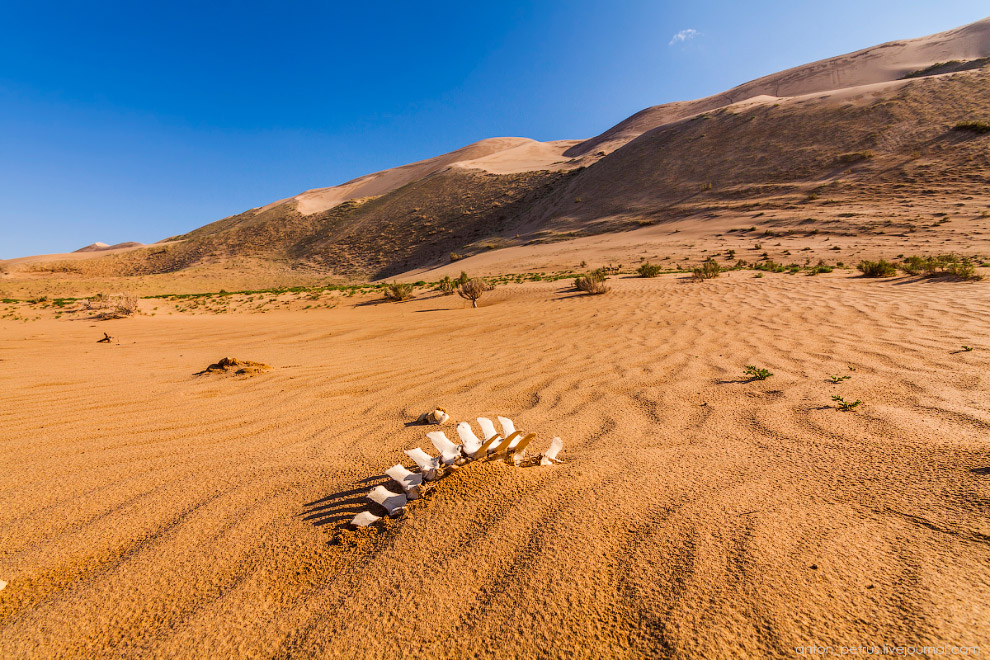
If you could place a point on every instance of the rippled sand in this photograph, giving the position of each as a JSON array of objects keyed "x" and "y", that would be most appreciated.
[{"x": 148, "y": 512}]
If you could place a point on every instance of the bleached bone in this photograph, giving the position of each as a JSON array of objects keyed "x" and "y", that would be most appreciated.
[
  {"x": 364, "y": 519},
  {"x": 393, "y": 502},
  {"x": 550, "y": 457},
  {"x": 470, "y": 441},
  {"x": 487, "y": 446},
  {"x": 449, "y": 452},
  {"x": 487, "y": 428},
  {"x": 427, "y": 464},
  {"x": 508, "y": 428},
  {"x": 519, "y": 438},
  {"x": 502, "y": 445},
  {"x": 2, "y": 585},
  {"x": 443, "y": 417},
  {"x": 519, "y": 449},
  {"x": 410, "y": 481}
]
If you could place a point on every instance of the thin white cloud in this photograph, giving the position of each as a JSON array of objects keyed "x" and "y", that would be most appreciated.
[{"x": 683, "y": 35}]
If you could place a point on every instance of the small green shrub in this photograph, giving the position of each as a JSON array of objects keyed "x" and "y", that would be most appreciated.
[
  {"x": 756, "y": 373},
  {"x": 769, "y": 266},
  {"x": 706, "y": 271},
  {"x": 963, "y": 270},
  {"x": 821, "y": 267},
  {"x": 844, "y": 405},
  {"x": 649, "y": 270},
  {"x": 446, "y": 286},
  {"x": 839, "y": 379},
  {"x": 397, "y": 291},
  {"x": 943, "y": 264},
  {"x": 881, "y": 268}
]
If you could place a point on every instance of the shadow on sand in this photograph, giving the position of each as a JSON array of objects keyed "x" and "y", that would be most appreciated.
[{"x": 338, "y": 509}]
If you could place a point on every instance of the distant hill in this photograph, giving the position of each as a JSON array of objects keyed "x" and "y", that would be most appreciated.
[
  {"x": 102, "y": 247},
  {"x": 877, "y": 122}
]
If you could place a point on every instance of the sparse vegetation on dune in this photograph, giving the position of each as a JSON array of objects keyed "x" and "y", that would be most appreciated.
[
  {"x": 649, "y": 270},
  {"x": 446, "y": 286},
  {"x": 706, "y": 271},
  {"x": 879, "y": 268},
  {"x": 948, "y": 265},
  {"x": 593, "y": 283},
  {"x": 843, "y": 405},
  {"x": 757, "y": 373},
  {"x": 113, "y": 306},
  {"x": 397, "y": 291}
]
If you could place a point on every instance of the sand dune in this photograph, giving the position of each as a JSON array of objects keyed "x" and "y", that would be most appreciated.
[
  {"x": 883, "y": 63},
  {"x": 499, "y": 155},
  {"x": 154, "y": 513}
]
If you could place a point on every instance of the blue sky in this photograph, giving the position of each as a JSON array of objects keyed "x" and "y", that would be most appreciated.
[{"x": 136, "y": 121}]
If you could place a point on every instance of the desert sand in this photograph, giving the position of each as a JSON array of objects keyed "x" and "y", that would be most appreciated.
[
  {"x": 149, "y": 512},
  {"x": 153, "y": 507}
]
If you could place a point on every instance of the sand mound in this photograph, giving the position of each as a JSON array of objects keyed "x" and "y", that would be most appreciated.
[{"x": 239, "y": 367}]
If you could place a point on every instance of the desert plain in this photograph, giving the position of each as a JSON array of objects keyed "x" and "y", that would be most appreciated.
[{"x": 151, "y": 512}]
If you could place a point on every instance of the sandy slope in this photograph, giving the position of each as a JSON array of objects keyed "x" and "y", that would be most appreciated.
[
  {"x": 499, "y": 155},
  {"x": 146, "y": 512},
  {"x": 877, "y": 64}
]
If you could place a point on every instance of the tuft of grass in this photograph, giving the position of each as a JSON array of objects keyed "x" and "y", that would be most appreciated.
[
  {"x": 881, "y": 268},
  {"x": 397, "y": 291},
  {"x": 856, "y": 157},
  {"x": 649, "y": 270},
  {"x": 949, "y": 265},
  {"x": 839, "y": 379},
  {"x": 843, "y": 405},
  {"x": 113, "y": 306},
  {"x": 706, "y": 271},
  {"x": 593, "y": 283},
  {"x": 973, "y": 127},
  {"x": 967, "y": 348},
  {"x": 821, "y": 267},
  {"x": 446, "y": 286},
  {"x": 755, "y": 373}
]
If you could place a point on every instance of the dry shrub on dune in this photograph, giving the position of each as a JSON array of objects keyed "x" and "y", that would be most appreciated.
[
  {"x": 941, "y": 265},
  {"x": 706, "y": 271},
  {"x": 113, "y": 306},
  {"x": 397, "y": 291},
  {"x": 879, "y": 268},
  {"x": 473, "y": 289},
  {"x": 593, "y": 283},
  {"x": 649, "y": 270}
]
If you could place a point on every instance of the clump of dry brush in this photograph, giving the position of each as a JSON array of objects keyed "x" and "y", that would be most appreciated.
[
  {"x": 708, "y": 270},
  {"x": 397, "y": 291},
  {"x": 593, "y": 283},
  {"x": 473, "y": 289},
  {"x": 113, "y": 306}
]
